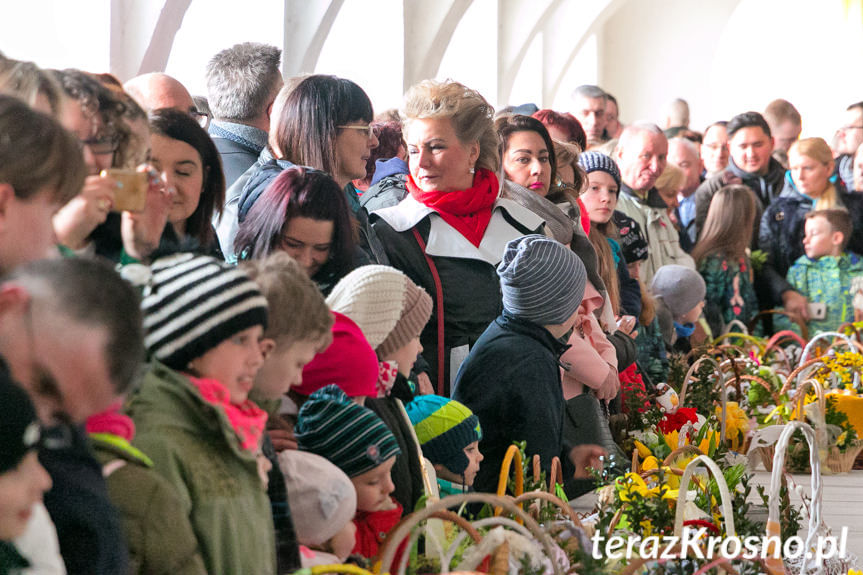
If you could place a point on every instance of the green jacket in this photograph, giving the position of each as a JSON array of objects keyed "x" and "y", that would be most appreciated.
[
  {"x": 158, "y": 533},
  {"x": 827, "y": 280},
  {"x": 194, "y": 447}
]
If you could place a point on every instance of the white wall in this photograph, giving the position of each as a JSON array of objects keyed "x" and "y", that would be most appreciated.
[
  {"x": 730, "y": 56},
  {"x": 723, "y": 56}
]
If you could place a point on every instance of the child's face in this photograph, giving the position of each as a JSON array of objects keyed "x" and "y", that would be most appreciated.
[
  {"x": 234, "y": 363},
  {"x": 283, "y": 368},
  {"x": 374, "y": 487},
  {"x": 474, "y": 458},
  {"x": 820, "y": 240},
  {"x": 406, "y": 356},
  {"x": 693, "y": 314},
  {"x": 20, "y": 489},
  {"x": 344, "y": 541}
]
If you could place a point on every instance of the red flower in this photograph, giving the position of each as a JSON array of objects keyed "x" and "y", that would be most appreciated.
[{"x": 674, "y": 421}]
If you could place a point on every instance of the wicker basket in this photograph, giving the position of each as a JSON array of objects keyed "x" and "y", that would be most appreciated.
[{"x": 839, "y": 462}]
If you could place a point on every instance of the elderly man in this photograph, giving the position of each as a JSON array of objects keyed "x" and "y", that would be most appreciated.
[
  {"x": 589, "y": 108},
  {"x": 242, "y": 83},
  {"x": 684, "y": 154},
  {"x": 751, "y": 164},
  {"x": 157, "y": 90},
  {"x": 642, "y": 155}
]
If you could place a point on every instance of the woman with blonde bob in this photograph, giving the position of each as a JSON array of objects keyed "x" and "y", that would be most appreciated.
[
  {"x": 450, "y": 230},
  {"x": 722, "y": 258},
  {"x": 808, "y": 186}
]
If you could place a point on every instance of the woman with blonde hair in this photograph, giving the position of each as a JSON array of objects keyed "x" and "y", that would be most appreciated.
[
  {"x": 448, "y": 234},
  {"x": 722, "y": 258},
  {"x": 809, "y": 185}
]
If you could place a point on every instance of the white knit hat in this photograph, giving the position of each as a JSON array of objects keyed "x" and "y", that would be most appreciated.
[
  {"x": 321, "y": 497},
  {"x": 388, "y": 307}
]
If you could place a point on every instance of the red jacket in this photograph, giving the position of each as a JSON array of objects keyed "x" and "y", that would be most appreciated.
[{"x": 373, "y": 527}]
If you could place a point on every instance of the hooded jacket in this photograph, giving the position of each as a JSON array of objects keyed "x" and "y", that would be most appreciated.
[{"x": 193, "y": 445}]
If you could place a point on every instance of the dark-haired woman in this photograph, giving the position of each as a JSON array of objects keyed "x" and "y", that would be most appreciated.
[
  {"x": 319, "y": 121},
  {"x": 189, "y": 165},
  {"x": 303, "y": 212}
]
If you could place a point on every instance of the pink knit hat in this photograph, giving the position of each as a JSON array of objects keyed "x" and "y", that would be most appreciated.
[{"x": 349, "y": 362}]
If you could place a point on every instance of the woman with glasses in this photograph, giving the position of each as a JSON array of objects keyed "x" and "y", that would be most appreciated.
[
  {"x": 93, "y": 114},
  {"x": 448, "y": 234},
  {"x": 319, "y": 121}
]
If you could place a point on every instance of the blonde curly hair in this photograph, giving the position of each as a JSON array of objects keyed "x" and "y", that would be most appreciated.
[{"x": 471, "y": 115}]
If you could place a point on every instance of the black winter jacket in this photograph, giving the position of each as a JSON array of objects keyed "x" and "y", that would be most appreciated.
[{"x": 511, "y": 381}]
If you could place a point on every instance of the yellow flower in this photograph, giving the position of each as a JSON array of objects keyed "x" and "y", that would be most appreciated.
[
  {"x": 634, "y": 483},
  {"x": 643, "y": 451},
  {"x": 736, "y": 424},
  {"x": 672, "y": 438},
  {"x": 709, "y": 443},
  {"x": 650, "y": 463}
]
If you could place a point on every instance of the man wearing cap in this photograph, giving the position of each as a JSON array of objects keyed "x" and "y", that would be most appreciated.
[{"x": 511, "y": 378}]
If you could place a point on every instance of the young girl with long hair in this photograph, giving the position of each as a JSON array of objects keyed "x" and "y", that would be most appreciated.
[{"x": 722, "y": 258}]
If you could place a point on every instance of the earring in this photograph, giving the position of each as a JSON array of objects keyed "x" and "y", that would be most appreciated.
[{"x": 472, "y": 170}]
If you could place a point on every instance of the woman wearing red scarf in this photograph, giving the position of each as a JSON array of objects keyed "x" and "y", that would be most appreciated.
[{"x": 449, "y": 232}]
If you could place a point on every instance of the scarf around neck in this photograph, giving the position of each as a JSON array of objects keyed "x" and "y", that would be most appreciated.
[
  {"x": 247, "y": 419},
  {"x": 468, "y": 211}
]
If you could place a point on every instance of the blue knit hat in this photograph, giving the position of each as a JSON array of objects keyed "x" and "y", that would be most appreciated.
[
  {"x": 542, "y": 280},
  {"x": 351, "y": 436},
  {"x": 444, "y": 427},
  {"x": 599, "y": 162}
]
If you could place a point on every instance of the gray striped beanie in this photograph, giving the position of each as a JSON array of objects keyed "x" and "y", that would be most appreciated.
[
  {"x": 592, "y": 161},
  {"x": 193, "y": 303},
  {"x": 351, "y": 436},
  {"x": 541, "y": 279}
]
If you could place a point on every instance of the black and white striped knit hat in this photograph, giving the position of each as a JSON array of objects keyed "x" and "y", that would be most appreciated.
[{"x": 193, "y": 303}]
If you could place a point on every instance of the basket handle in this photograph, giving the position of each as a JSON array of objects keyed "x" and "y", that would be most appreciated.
[
  {"x": 824, "y": 335},
  {"x": 725, "y": 496},
  {"x": 798, "y": 371},
  {"x": 815, "y": 520},
  {"x": 554, "y": 499},
  {"x": 691, "y": 374},
  {"x": 736, "y": 323},
  {"x": 404, "y": 528},
  {"x": 804, "y": 329}
]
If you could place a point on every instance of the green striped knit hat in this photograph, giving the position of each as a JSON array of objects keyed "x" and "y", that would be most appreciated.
[
  {"x": 351, "y": 436},
  {"x": 444, "y": 428}
]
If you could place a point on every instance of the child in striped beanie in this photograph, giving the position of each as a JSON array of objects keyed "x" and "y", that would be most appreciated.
[
  {"x": 449, "y": 435},
  {"x": 358, "y": 442},
  {"x": 204, "y": 323}
]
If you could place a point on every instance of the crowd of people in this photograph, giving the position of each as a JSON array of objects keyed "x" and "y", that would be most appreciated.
[{"x": 247, "y": 332}]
